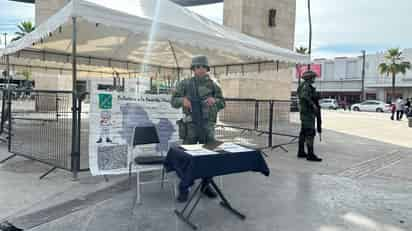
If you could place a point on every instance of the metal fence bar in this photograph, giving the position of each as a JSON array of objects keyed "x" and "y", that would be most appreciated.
[
  {"x": 40, "y": 127},
  {"x": 256, "y": 115},
  {"x": 8, "y": 113},
  {"x": 270, "y": 123},
  {"x": 3, "y": 114}
]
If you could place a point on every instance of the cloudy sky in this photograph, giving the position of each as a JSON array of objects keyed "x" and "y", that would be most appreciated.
[
  {"x": 340, "y": 27},
  {"x": 11, "y": 14}
]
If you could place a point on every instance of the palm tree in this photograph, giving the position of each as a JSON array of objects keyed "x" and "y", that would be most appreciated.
[
  {"x": 394, "y": 66},
  {"x": 25, "y": 27},
  {"x": 302, "y": 50}
]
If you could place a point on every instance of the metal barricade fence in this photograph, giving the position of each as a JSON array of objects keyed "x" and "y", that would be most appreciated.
[
  {"x": 263, "y": 123},
  {"x": 39, "y": 125}
]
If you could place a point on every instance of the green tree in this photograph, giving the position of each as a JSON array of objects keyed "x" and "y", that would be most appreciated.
[
  {"x": 394, "y": 65},
  {"x": 24, "y": 28},
  {"x": 302, "y": 50}
]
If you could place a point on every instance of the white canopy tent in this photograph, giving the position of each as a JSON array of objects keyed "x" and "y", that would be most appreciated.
[
  {"x": 154, "y": 32},
  {"x": 117, "y": 33}
]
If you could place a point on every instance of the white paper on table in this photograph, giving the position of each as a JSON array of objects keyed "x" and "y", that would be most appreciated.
[
  {"x": 201, "y": 152},
  {"x": 231, "y": 147},
  {"x": 189, "y": 147}
]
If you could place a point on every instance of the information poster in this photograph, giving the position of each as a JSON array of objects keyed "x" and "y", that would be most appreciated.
[{"x": 113, "y": 116}]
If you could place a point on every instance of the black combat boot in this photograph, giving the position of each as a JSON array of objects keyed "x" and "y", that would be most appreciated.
[
  {"x": 311, "y": 155},
  {"x": 182, "y": 197},
  {"x": 301, "y": 149}
]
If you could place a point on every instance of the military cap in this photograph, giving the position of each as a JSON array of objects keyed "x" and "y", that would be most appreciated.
[
  {"x": 309, "y": 75},
  {"x": 200, "y": 60}
]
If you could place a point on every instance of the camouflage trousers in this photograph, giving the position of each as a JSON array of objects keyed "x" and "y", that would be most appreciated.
[
  {"x": 203, "y": 135},
  {"x": 306, "y": 135}
]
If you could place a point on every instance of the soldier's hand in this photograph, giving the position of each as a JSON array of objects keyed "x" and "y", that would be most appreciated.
[
  {"x": 210, "y": 101},
  {"x": 186, "y": 103}
]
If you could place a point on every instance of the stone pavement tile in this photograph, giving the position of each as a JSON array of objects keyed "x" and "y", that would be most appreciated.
[
  {"x": 341, "y": 152},
  {"x": 21, "y": 188},
  {"x": 370, "y": 125},
  {"x": 400, "y": 170},
  {"x": 23, "y": 193},
  {"x": 283, "y": 201},
  {"x": 363, "y": 184}
]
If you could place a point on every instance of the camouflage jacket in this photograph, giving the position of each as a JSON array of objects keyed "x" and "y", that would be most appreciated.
[
  {"x": 306, "y": 94},
  {"x": 205, "y": 87}
]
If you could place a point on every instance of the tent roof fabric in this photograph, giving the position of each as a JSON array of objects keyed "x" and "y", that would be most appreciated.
[{"x": 157, "y": 32}]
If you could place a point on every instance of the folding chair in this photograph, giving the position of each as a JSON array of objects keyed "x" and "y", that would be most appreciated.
[{"x": 145, "y": 163}]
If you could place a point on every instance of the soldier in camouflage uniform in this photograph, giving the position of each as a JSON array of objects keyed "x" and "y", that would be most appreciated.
[
  {"x": 201, "y": 98},
  {"x": 309, "y": 111}
]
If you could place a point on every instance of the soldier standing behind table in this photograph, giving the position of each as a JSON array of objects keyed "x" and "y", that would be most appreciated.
[
  {"x": 201, "y": 98},
  {"x": 309, "y": 111}
]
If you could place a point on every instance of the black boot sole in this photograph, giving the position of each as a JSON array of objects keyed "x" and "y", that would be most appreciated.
[
  {"x": 314, "y": 159},
  {"x": 302, "y": 156},
  {"x": 182, "y": 199}
]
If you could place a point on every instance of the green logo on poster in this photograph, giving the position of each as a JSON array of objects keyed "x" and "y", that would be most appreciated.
[{"x": 105, "y": 101}]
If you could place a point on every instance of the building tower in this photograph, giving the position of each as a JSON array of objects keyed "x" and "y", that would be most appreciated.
[{"x": 269, "y": 20}]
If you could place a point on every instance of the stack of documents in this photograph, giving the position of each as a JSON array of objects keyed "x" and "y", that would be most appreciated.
[
  {"x": 231, "y": 147},
  {"x": 197, "y": 150},
  {"x": 189, "y": 147}
]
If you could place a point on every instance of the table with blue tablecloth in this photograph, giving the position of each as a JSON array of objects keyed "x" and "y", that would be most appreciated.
[{"x": 190, "y": 168}]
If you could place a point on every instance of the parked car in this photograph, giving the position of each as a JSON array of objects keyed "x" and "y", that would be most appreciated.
[
  {"x": 328, "y": 103},
  {"x": 371, "y": 105}
]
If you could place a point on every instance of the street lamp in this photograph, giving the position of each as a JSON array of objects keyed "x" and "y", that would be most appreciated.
[
  {"x": 363, "y": 75},
  {"x": 310, "y": 34}
]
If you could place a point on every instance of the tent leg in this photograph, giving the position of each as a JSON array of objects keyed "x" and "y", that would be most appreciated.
[
  {"x": 75, "y": 160},
  {"x": 176, "y": 61}
]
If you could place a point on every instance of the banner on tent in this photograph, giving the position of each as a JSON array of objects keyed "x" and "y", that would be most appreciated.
[{"x": 113, "y": 116}]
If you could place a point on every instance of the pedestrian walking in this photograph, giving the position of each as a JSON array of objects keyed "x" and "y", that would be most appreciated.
[
  {"x": 400, "y": 107},
  {"x": 393, "y": 110},
  {"x": 408, "y": 106}
]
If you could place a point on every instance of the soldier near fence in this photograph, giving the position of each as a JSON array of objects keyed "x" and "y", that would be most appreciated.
[
  {"x": 201, "y": 99},
  {"x": 309, "y": 112}
]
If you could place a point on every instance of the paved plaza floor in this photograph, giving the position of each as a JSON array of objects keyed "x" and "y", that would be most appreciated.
[{"x": 364, "y": 183}]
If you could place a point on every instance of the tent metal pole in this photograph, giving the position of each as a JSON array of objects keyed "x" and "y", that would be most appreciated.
[
  {"x": 8, "y": 111},
  {"x": 175, "y": 57},
  {"x": 75, "y": 155}
]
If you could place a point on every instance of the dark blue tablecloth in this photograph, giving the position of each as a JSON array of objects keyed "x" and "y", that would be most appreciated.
[{"x": 189, "y": 168}]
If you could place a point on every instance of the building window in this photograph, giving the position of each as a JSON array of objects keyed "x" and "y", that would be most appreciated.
[{"x": 272, "y": 18}]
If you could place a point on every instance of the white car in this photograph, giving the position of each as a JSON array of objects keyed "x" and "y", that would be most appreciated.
[
  {"x": 371, "y": 105},
  {"x": 328, "y": 103}
]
